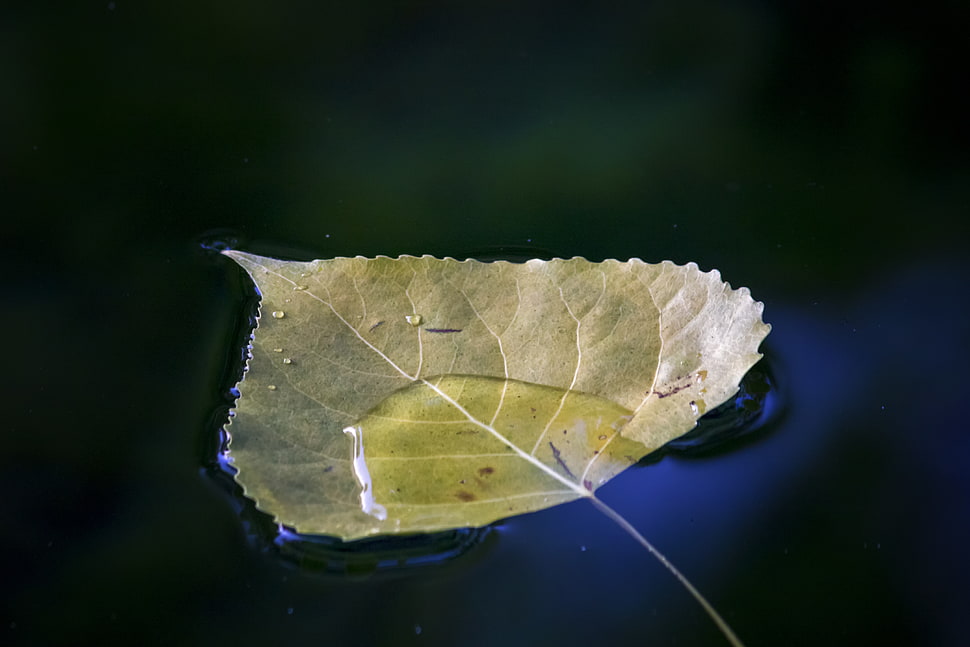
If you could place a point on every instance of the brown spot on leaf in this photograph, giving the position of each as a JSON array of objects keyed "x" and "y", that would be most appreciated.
[
  {"x": 486, "y": 471},
  {"x": 675, "y": 389},
  {"x": 465, "y": 495}
]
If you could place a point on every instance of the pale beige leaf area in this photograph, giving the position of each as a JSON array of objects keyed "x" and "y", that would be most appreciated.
[{"x": 419, "y": 394}]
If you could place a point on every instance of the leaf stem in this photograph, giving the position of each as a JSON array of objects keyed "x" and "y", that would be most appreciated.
[{"x": 633, "y": 532}]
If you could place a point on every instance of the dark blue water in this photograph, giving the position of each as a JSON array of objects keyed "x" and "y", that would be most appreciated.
[{"x": 816, "y": 157}]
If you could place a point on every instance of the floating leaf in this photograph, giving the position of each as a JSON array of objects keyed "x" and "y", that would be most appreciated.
[{"x": 418, "y": 394}]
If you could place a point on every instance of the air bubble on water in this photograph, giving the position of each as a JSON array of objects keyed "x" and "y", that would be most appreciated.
[
  {"x": 278, "y": 314},
  {"x": 414, "y": 320}
]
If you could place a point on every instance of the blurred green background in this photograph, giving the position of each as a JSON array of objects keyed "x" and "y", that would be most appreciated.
[{"x": 816, "y": 153}]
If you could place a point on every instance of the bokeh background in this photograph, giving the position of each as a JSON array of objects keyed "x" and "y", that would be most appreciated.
[{"x": 814, "y": 152}]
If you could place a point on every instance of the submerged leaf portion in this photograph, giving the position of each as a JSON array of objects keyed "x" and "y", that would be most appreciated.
[{"x": 417, "y": 394}]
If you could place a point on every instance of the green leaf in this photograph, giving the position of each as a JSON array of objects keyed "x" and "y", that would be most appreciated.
[{"x": 419, "y": 394}]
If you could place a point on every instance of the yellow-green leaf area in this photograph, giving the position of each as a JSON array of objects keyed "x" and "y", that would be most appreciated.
[
  {"x": 472, "y": 465},
  {"x": 417, "y": 394}
]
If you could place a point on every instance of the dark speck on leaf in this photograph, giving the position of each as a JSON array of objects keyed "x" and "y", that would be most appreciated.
[
  {"x": 485, "y": 471},
  {"x": 672, "y": 391},
  {"x": 464, "y": 495},
  {"x": 328, "y": 468},
  {"x": 558, "y": 456},
  {"x": 443, "y": 330}
]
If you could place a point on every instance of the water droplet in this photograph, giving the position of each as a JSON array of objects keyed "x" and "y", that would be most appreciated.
[
  {"x": 582, "y": 548},
  {"x": 367, "y": 502},
  {"x": 271, "y": 387},
  {"x": 287, "y": 360},
  {"x": 277, "y": 350},
  {"x": 414, "y": 320},
  {"x": 299, "y": 287},
  {"x": 278, "y": 314},
  {"x": 694, "y": 408}
]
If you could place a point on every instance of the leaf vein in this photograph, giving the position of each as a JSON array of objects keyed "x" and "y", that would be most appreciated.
[{"x": 343, "y": 321}]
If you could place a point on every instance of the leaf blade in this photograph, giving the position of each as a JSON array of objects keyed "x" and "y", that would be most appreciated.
[{"x": 635, "y": 345}]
